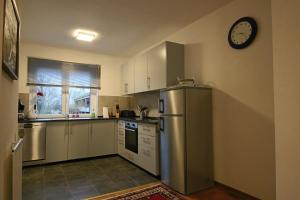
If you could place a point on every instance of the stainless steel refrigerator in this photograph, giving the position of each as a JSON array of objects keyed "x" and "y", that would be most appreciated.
[{"x": 186, "y": 138}]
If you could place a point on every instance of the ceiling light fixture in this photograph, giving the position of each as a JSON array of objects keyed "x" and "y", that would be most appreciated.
[{"x": 84, "y": 35}]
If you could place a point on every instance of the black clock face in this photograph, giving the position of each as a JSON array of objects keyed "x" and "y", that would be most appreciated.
[{"x": 242, "y": 33}]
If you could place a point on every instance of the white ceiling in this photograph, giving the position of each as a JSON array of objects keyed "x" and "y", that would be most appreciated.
[{"x": 126, "y": 26}]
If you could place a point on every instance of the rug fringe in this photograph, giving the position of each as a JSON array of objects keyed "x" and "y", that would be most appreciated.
[{"x": 121, "y": 192}]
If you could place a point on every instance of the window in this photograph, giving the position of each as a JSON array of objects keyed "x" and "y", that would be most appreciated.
[
  {"x": 59, "y": 88},
  {"x": 49, "y": 100},
  {"x": 79, "y": 100}
]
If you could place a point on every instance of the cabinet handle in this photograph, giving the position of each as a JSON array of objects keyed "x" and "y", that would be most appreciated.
[
  {"x": 146, "y": 129},
  {"x": 148, "y": 82},
  {"x": 146, "y": 140},
  {"x": 161, "y": 106},
  {"x": 66, "y": 132},
  {"x": 162, "y": 124}
]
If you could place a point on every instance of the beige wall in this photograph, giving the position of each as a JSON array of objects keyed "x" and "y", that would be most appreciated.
[
  {"x": 286, "y": 48},
  {"x": 244, "y": 156},
  {"x": 110, "y": 65},
  {"x": 8, "y": 123}
]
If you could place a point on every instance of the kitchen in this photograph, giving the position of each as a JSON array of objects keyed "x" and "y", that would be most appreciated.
[
  {"x": 123, "y": 128},
  {"x": 67, "y": 124},
  {"x": 121, "y": 99}
]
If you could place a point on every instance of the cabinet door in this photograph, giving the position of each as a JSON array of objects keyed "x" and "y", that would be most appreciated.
[
  {"x": 157, "y": 67},
  {"x": 57, "y": 136},
  {"x": 121, "y": 124},
  {"x": 148, "y": 148},
  {"x": 148, "y": 160},
  {"x": 102, "y": 140},
  {"x": 124, "y": 79},
  {"x": 116, "y": 136},
  {"x": 121, "y": 139},
  {"x": 141, "y": 81},
  {"x": 147, "y": 129},
  {"x": 128, "y": 78},
  {"x": 79, "y": 139}
]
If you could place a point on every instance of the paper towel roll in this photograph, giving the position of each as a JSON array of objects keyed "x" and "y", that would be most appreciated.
[{"x": 105, "y": 112}]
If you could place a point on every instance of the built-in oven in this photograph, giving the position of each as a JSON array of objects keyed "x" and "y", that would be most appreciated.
[{"x": 131, "y": 136}]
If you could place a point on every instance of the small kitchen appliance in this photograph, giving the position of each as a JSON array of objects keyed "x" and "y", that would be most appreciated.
[{"x": 127, "y": 114}]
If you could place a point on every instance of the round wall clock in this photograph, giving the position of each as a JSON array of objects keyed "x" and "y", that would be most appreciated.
[{"x": 242, "y": 33}]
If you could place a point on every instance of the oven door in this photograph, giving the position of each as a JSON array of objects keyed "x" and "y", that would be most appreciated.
[{"x": 131, "y": 140}]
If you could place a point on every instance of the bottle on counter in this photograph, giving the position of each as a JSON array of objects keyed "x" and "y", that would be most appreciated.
[
  {"x": 93, "y": 115},
  {"x": 117, "y": 111}
]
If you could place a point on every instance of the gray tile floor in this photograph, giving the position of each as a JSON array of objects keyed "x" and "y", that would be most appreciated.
[{"x": 81, "y": 179}]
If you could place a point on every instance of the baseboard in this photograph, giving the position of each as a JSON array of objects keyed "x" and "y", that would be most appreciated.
[
  {"x": 43, "y": 162},
  {"x": 234, "y": 192}
]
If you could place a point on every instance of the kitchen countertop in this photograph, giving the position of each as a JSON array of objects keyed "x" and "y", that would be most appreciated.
[{"x": 146, "y": 120}]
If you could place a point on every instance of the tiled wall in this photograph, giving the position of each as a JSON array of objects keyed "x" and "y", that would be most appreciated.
[
  {"x": 111, "y": 102},
  {"x": 149, "y": 100}
]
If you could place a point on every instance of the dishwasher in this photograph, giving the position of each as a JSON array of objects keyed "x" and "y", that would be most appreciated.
[{"x": 34, "y": 141}]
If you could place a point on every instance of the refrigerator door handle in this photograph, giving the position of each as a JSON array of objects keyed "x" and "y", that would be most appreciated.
[
  {"x": 161, "y": 124},
  {"x": 161, "y": 106}
]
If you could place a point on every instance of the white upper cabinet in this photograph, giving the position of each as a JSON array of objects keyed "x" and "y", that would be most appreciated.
[
  {"x": 141, "y": 74},
  {"x": 156, "y": 69},
  {"x": 127, "y": 74}
]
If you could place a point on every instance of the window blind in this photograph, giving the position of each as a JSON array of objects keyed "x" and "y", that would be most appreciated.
[{"x": 44, "y": 72}]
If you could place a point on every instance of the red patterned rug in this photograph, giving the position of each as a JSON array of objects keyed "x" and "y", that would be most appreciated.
[{"x": 156, "y": 192}]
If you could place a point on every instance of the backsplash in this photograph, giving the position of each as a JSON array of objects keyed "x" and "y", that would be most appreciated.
[
  {"x": 111, "y": 102},
  {"x": 149, "y": 100}
]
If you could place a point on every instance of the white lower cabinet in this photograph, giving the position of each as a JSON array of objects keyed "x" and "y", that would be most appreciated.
[
  {"x": 148, "y": 147},
  {"x": 121, "y": 138},
  {"x": 148, "y": 157},
  {"x": 57, "y": 139},
  {"x": 82, "y": 139},
  {"x": 131, "y": 156},
  {"x": 102, "y": 138},
  {"x": 116, "y": 136},
  {"x": 79, "y": 140}
]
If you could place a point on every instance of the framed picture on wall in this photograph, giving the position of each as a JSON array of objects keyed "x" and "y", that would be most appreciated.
[{"x": 11, "y": 39}]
